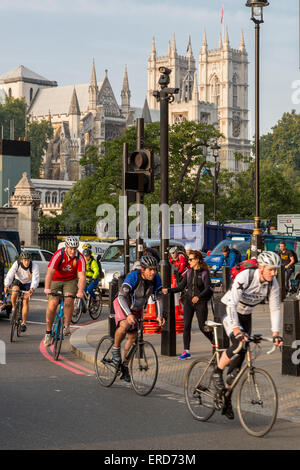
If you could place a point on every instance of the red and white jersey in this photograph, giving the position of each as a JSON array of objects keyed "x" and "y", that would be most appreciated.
[{"x": 68, "y": 268}]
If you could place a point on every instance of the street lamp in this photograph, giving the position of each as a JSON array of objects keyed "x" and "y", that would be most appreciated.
[
  {"x": 257, "y": 241},
  {"x": 215, "y": 148}
]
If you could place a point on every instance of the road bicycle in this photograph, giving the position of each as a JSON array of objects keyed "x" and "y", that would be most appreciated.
[
  {"x": 257, "y": 399},
  {"x": 142, "y": 360},
  {"x": 16, "y": 316},
  {"x": 57, "y": 333},
  {"x": 87, "y": 304}
]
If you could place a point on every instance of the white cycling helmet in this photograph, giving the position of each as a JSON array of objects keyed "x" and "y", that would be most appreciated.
[
  {"x": 72, "y": 242},
  {"x": 269, "y": 259}
]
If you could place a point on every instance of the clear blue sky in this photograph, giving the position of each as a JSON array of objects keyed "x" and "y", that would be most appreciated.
[{"x": 59, "y": 38}]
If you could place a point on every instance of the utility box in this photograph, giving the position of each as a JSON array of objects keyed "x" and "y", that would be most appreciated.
[{"x": 291, "y": 334}]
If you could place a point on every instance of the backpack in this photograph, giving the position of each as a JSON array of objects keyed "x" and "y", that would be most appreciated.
[
  {"x": 238, "y": 253},
  {"x": 246, "y": 264},
  {"x": 101, "y": 273}
]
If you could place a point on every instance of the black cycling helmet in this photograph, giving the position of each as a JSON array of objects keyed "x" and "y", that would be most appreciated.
[
  {"x": 87, "y": 252},
  {"x": 148, "y": 261},
  {"x": 24, "y": 255}
]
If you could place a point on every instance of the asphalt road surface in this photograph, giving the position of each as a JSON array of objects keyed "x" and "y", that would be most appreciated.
[{"x": 48, "y": 405}]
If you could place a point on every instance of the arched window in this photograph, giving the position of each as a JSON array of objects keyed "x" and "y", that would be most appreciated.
[
  {"x": 54, "y": 198},
  {"x": 62, "y": 197},
  {"x": 31, "y": 94},
  {"x": 215, "y": 91},
  {"x": 9, "y": 92},
  {"x": 48, "y": 197},
  {"x": 234, "y": 91}
]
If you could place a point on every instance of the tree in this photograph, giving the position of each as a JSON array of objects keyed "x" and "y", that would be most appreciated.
[
  {"x": 38, "y": 133},
  {"x": 13, "y": 109}
]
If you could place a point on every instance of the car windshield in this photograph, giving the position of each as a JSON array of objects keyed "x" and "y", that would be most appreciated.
[
  {"x": 241, "y": 246},
  {"x": 115, "y": 254}
]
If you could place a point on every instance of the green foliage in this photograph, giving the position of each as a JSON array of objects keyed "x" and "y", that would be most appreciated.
[
  {"x": 15, "y": 109},
  {"x": 38, "y": 133}
]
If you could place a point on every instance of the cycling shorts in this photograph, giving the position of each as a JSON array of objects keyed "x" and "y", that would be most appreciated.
[{"x": 120, "y": 315}]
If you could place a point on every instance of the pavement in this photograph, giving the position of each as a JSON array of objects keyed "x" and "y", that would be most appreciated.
[{"x": 172, "y": 371}]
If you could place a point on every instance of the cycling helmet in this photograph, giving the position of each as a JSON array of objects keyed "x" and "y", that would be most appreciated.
[
  {"x": 24, "y": 255},
  {"x": 148, "y": 262},
  {"x": 72, "y": 242},
  {"x": 173, "y": 250},
  {"x": 270, "y": 259},
  {"x": 87, "y": 252},
  {"x": 87, "y": 246}
]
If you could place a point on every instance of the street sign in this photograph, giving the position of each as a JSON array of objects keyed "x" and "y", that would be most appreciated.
[{"x": 288, "y": 224}]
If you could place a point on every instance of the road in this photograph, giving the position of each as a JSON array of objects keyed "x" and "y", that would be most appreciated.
[{"x": 47, "y": 405}]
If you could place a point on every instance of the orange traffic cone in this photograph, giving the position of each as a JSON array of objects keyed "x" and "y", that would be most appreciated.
[{"x": 151, "y": 325}]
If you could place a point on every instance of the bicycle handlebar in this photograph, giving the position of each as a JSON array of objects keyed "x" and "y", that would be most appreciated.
[{"x": 256, "y": 339}]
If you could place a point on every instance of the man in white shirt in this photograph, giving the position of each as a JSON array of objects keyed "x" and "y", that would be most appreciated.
[
  {"x": 23, "y": 275},
  {"x": 250, "y": 288}
]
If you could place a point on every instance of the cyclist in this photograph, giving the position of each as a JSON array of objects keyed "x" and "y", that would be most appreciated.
[
  {"x": 23, "y": 275},
  {"x": 228, "y": 258},
  {"x": 92, "y": 272},
  {"x": 133, "y": 296},
  {"x": 249, "y": 288},
  {"x": 179, "y": 261},
  {"x": 65, "y": 266},
  {"x": 288, "y": 260}
]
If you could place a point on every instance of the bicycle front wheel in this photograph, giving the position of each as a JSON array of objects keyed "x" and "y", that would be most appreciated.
[
  {"x": 106, "y": 370},
  {"x": 257, "y": 402},
  {"x": 57, "y": 338},
  {"x": 199, "y": 391},
  {"x": 77, "y": 312},
  {"x": 96, "y": 306},
  {"x": 13, "y": 322},
  {"x": 143, "y": 368}
]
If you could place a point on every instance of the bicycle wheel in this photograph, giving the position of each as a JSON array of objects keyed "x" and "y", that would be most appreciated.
[
  {"x": 199, "y": 391},
  {"x": 257, "y": 402},
  {"x": 96, "y": 306},
  {"x": 143, "y": 368},
  {"x": 57, "y": 337},
  {"x": 105, "y": 368},
  {"x": 77, "y": 312}
]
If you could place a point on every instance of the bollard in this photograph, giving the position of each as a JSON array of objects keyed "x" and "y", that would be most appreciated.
[
  {"x": 168, "y": 333},
  {"x": 219, "y": 312},
  {"x": 291, "y": 333},
  {"x": 281, "y": 282},
  {"x": 226, "y": 279}
]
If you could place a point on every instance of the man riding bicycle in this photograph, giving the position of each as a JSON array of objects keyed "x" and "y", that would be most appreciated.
[
  {"x": 23, "y": 275},
  {"x": 92, "y": 272},
  {"x": 66, "y": 274},
  {"x": 249, "y": 288},
  {"x": 133, "y": 296}
]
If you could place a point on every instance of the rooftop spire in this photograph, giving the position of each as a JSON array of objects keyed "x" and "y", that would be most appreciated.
[
  {"x": 153, "y": 50},
  {"x": 74, "y": 105},
  {"x": 226, "y": 39},
  {"x": 242, "y": 43},
  {"x": 189, "y": 47},
  {"x": 204, "y": 41},
  {"x": 93, "y": 75}
]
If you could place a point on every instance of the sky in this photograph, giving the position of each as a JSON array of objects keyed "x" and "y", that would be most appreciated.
[{"x": 58, "y": 39}]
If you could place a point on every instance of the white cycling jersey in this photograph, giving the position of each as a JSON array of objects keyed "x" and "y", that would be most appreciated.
[
  {"x": 23, "y": 275},
  {"x": 243, "y": 297}
]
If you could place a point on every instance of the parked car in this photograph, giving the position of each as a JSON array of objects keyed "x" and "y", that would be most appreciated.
[
  {"x": 112, "y": 261},
  {"x": 42, "y": 258}
]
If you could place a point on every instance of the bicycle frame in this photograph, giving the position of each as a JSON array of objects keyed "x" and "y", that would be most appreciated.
[{"x": 59, "y": 316}]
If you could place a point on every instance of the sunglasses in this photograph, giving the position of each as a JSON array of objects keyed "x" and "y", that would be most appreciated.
[{"x": 192, "y": 259}]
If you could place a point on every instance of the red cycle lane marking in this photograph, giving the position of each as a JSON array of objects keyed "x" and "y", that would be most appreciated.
[{"x": 45, "y": 353}]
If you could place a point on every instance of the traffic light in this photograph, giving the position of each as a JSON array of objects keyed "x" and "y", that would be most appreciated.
[{"x": 140, "y": 176}]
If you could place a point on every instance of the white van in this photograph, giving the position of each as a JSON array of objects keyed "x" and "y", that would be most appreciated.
[{"x": 98, "y": 248}]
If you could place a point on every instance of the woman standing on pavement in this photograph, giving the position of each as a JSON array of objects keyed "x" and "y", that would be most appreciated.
[{"x": 198, "y": 292}]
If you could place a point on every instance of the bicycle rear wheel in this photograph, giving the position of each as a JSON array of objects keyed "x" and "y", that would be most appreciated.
[
  {"x": 143, "y": 368},
  {"x": 96, "y": 307},
  {"x": 199, "y": 391},
  {"x": 105, "y": 369},
  {"x": 257, "y": 402},
  {"x": 57, "y": 337},
  {"x": 77, "y": 312}
]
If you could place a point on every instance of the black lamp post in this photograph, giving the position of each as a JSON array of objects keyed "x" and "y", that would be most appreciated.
[
  {"x": 215, "y": 148},
  {"x": 257, "y": 241}
]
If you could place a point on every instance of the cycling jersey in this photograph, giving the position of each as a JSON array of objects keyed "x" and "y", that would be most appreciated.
[
  {"x": 24, "y": 276},
  {"x": 244, "y": 296},
  {"x": 135, "y": 292},
  {"x": 67, "y": 268}
]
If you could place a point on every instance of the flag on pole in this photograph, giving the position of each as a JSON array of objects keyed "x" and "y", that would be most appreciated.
[{"x": 222, "y": 17}]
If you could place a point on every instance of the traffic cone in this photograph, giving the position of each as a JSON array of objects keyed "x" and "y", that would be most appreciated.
[
  {"x": 150, "y": 327},
  {"x": 179, "y": 322}
]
